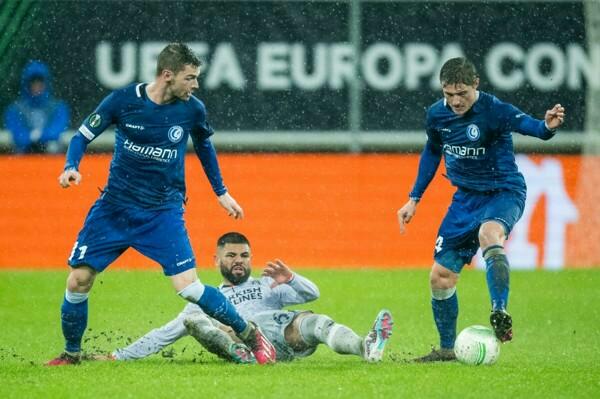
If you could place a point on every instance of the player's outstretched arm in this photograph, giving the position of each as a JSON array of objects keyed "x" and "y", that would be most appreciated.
[
  {"x": 231, "y": 206},
  {"x": 69, "y": 176},
  {"x": 555, "y": 117},
  {"x": 406, "y": 213}
]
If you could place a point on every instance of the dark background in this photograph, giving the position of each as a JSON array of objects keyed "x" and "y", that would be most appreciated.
[{"x": 65, "y": 35}]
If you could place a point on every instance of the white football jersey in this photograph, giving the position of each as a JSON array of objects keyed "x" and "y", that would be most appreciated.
[{"x": 256, "y": 295}]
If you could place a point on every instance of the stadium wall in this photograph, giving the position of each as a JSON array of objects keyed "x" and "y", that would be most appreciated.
[{"x": 312, "y": 210}]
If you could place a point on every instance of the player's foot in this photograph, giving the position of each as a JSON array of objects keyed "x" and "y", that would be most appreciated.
[
  {"x": 375, "y": 341},
  {"x": 240, "y": 354},
  {"x": 502, "y": 324},
  {"x": 65, "y": 359},
  {"x": 261, "y": 347},
  {"x": 437, "y": 355}
]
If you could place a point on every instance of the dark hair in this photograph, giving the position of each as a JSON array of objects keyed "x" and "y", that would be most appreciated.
[
  {"x": 458, "y": 70},
  {"x": 175, "y": 57},
  {"x": 232, "y": 237}
]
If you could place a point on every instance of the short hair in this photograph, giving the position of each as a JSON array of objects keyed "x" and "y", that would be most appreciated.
[
  {"x": 458, "y": 70},
  {"x": 232, "y": 237},
  {"x": 175, "y": 57}
]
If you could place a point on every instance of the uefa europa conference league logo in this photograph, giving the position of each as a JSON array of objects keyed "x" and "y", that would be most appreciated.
[{"x": 95, "y": 120}]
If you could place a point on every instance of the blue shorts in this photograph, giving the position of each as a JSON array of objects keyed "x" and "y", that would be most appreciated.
[
  {"x": 110, "y": 229},
  {"x": 458, "y": 236}
]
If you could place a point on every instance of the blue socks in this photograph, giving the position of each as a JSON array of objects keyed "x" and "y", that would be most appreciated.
[
  {"x": 497, "y": 275},
  {"x": 73, "y": 318},
  {"x": 214, "y": 303},
  {"x": 445, "y": 313}
]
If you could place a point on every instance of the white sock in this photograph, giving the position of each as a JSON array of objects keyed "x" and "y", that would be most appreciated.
[
  {"x": 342, "y": 339},
  {"x": 322, "y": 329}
]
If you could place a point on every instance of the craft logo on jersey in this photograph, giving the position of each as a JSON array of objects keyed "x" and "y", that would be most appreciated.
[
  {"x": 473, "y": 132},
  {"x": 175, "y": 133},
  {"x": 95, "y": 120}
]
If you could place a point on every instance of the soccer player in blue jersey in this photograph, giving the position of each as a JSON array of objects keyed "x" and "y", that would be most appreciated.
[
  {"x": 142, "y": 204},
  {"x": 473, "y": 131}
]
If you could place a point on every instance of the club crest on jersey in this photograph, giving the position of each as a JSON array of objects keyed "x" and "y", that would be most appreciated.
[
  {"x": 175, "y": 133},
  {"x": 95, "y": 120},
  {"x": 473, "y": 132}
]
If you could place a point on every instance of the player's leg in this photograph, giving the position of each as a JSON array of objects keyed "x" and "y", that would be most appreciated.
[
  {"x": 74, "y": 314},
  {"x": 503, "y": 210},
  {"x": 154, "y": 341},
  {"x": 218, "y": 339},
  {"x": 98, "y": 244},
  {"x": 309, "y": 329},
  {"x": 454, "y": 247},
  {"x": 444, "y": 305},
  {"x": 491, "y": 239}
]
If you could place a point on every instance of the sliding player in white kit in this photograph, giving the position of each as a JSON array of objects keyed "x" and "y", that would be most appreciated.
[{"x": 293, "y": 333}]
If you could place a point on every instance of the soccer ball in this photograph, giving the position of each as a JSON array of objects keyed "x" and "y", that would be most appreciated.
[{"x": 477, "y": 345}]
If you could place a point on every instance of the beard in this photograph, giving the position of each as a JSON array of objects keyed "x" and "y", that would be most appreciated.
[{"x": 235, "y": 279}]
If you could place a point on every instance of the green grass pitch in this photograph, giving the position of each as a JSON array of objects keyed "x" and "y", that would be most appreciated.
[{"x": 555, "y": 352}]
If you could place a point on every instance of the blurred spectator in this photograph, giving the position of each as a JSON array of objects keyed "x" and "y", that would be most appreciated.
[{"x": 36, "y": 119}]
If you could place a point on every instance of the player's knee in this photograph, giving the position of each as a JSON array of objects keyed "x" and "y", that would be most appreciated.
[
  {"x": 81, "y": 279},
  {"x": 193, "y": 292},
  {"x": 441, "y": 278},
  {"x": 491, "y": 233}
]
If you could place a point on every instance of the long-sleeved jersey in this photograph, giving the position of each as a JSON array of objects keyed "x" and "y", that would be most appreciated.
[
  {"x": 477, "y": 146},
  {"x": 256, "y": 295},
  {"x": 147, "y": 168}
]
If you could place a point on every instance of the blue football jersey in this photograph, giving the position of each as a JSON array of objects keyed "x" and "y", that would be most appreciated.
[
  {"x": 478, "y": 146},
  {"x": 147, "y": 168}
]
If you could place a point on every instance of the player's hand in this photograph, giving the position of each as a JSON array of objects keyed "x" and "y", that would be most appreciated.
[
  {"x": 231, "y": 206},
  {"x": 555, "y": 117},
  {"x": 69, "y": 176},
  {"x": 279, "y": 272},
  {"x": 406, "y": 213}
]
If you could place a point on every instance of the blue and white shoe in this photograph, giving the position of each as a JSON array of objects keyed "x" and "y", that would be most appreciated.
[{"x": 374, "y": 342}]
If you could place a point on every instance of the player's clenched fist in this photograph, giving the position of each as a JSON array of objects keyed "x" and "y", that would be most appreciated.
[{"x": 69, "y": 176}]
